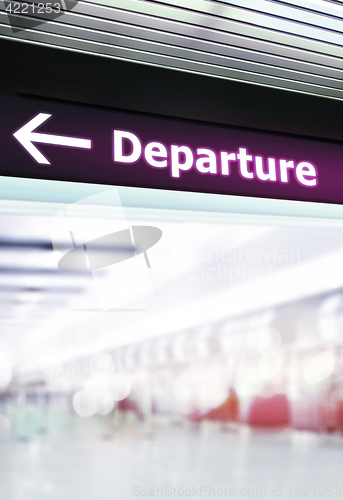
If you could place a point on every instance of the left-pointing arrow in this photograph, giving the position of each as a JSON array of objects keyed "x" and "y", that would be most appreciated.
[{"x": 26, "y": 135}]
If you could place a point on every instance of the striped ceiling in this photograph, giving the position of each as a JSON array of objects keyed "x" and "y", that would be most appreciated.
[{"x": 290, "y": 44}]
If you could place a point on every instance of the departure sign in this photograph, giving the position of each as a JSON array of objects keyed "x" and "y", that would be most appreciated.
[
  {"x": 57, "y": 140},
  {"x": 27, "y": 137},
  {"x": 206, "y": 161}
]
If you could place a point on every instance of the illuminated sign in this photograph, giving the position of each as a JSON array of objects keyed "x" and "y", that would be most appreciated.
[
  {"x": 50, "y": 139},
  {"x": 27, "y": 137},
  {"x": 206, "y": 161}
]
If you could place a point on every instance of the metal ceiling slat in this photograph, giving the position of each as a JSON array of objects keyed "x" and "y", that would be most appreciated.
[
  {"x": 166, "y": 25},
  {"x": 329, "y": 18},
  {"x": 167, "y": 37},
  {"x": 321, "y": 6},
  {"x": 280, "y": 25},
  {"x": 254, "y": 45},
  {"x": 219, "y": 50},
  {"x": 308, "y": 21},
  {"x": 250, "y": 43},
  {"x": 200, "y": 56},
  {"x": 174, "y": 63},
  {"x": 104, "y": 24},
  {"x": 266, "y": 8},
  {"x": 231, "y": 53},
  {"x": 198, "y": 21},
  {"x": 246, "y": 40}
]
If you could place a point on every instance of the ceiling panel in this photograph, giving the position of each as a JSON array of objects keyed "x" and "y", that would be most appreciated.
[{"x": 282, "y": 44}]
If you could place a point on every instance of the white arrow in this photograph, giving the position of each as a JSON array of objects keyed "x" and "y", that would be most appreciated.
[{"x": 26, "y": 136}]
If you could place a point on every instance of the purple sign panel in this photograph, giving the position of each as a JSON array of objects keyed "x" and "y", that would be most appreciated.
[{"x": 49, "y": 139}]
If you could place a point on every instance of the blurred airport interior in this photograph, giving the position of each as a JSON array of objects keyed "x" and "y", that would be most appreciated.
[
  {"x": 168, "y": 343},
  {"x": 242, "y": 340}
]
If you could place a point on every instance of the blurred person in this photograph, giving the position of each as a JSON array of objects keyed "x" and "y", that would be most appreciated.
[
  {"x": 273, "y": 411},
  {"x": 128, "y": 405},
  {"x": 228, "y": 411}
]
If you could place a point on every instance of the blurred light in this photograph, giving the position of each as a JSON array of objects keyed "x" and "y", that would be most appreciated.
[
  {"x": 101, "y": 363},
  {"x": 268, "y": 338},
  {"x": 270, "y": 365},
  {"x": 83, "y": 405},
  {"x": 328, "y": 321},
  {"x": 329, "y": 328},
  {"x": 184, "y": 387},
  {"x": 248, "y": 383},
  {"x": 98, "y": 390},
  {"x": 212, "y": 391},
  {"x": 106, "y": 408},
  {"x": 122, "y": 386},
  {"x": 319, "y": 367},
  {"x": 5, "y": 371},
  {"x": 102, "y": 390}
]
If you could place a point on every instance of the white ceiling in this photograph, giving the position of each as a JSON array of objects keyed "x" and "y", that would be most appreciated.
[
  {"x": 48, "y": 318},
  {"x": 290, "y": 44}
]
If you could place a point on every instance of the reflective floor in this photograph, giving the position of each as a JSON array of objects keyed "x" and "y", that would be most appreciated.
[{"x": 147, "y": 459}]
